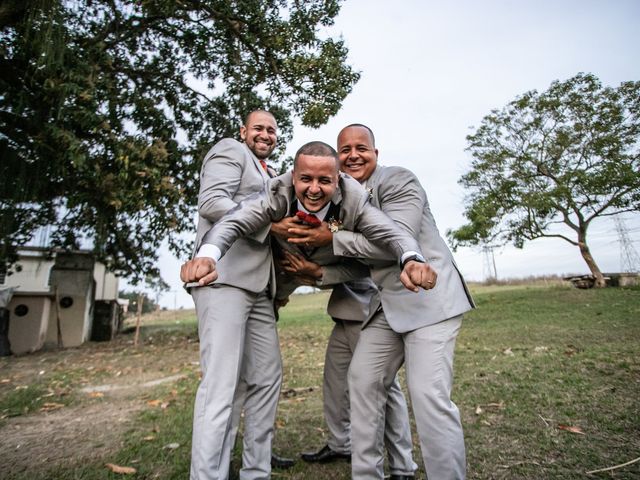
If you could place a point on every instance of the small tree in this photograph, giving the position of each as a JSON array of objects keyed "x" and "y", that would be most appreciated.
[{"x": 564, "y": 157}]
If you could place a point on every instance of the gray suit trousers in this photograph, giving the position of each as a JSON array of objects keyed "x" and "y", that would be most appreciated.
[
  {"x": 397, "y": 431},
  {"x": 238, "y": 340},
  {"x": 428, "y": 356}
]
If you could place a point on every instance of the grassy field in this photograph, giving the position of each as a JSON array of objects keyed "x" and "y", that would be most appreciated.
[{"x": 547, "y": 381}]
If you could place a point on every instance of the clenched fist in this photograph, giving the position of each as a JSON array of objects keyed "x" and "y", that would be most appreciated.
[
  {"x": 416, "y": 274},
  {"x": 201, "y": 270}
]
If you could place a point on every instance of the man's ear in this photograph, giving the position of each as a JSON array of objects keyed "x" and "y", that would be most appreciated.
[{"x": 243, "y": 132}]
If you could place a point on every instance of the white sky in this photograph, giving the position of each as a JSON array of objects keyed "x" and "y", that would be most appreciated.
[{"x": 431, "y": 70}]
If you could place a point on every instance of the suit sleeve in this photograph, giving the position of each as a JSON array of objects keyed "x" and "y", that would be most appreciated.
[
  {"x": 249, "y": 216},
  {"x": 402, "y": 201},
  {"x": 219, "y": 180}
]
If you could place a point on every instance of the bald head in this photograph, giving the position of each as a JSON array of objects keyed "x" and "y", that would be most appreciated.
[{"x": 357, "y": 151}]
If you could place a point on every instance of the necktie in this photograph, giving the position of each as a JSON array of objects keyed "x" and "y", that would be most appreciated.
[
  {"x": 308, "y": 218},
  {"x": 264, "y": 165}
]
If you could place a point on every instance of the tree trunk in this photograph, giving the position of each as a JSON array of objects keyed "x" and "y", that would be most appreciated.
[{"x": 591, "y": 263}]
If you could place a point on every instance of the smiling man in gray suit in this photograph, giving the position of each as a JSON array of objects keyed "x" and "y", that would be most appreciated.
[
  {"x": 236, "y": 322},
  {"x": 419, "y": 330}
]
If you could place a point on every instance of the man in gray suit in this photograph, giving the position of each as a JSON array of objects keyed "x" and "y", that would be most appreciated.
[
  {"x": 349, "y": 307},
  {"x": 236, "y": 322},
  {"x": 419, "y": 330}
]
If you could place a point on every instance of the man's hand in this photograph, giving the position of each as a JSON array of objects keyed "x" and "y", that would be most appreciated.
[
  {"x": 310, "y": 236},
  {"x": 281, "y": 228},
  {"x": 417, "y": 274},
  {"x": 278, "y": 303},
  {"x": 298, "y": 265},
  {"x": 201, "y": 270}
]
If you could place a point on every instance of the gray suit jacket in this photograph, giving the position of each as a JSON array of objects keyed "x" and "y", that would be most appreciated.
[
  {"x": 273, "y": 204},
  {"x": 231, "y": 173},
  {"x": 398, "y": 193}
]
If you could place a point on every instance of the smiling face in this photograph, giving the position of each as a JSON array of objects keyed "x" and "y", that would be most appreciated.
[
  {"x": 315, "y": 180},
  {"x": 259, "y": 133},
  {"x": 357, "y": 152}
]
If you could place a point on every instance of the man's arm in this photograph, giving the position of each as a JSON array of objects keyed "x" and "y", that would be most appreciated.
[
  {"x": 219, "y": 179},
  {"x": 324, "y": 275},
  {"x": 250, "y": 215},
  {"x": 402, "y": 201},
  {"x": 247, "y": 217}
]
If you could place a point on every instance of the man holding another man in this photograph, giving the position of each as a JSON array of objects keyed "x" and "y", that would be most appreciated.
[{"x": 418, "y": 330}]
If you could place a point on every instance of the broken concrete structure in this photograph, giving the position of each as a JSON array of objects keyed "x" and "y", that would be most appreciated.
[{"x": 55, "y": 298}]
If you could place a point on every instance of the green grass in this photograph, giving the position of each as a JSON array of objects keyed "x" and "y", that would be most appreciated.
[{"x": 528, "y": 360}]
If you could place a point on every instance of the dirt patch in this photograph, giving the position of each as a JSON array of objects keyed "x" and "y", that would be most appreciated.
[
  {"x": 67, "y": 435},
  {"x": 107, "y": 384}
]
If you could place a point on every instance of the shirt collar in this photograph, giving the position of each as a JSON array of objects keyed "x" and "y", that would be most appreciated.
[{"x": 321, "y": 214}]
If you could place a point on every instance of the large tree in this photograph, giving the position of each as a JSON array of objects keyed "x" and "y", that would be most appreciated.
[
  {"x": 107, "y": 106},
  {"x": 548, "y": 164}
]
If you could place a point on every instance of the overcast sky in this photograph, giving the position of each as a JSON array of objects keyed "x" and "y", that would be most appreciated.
[{"x": 432, "y": 70}]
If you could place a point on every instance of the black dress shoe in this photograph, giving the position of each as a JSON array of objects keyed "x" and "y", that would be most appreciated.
[
  {"x": 402, "y": 477},
  {"x": 325, "y": 455},
  {"x": 281, "y": 462}
]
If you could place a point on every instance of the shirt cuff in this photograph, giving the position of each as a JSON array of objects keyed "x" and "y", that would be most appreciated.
[
  {"x": 405, "y": 255},
  {"x": 209, "y": 250}
]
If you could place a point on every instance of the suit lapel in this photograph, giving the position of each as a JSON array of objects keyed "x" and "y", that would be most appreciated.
[
  {"x": 372, "y": 186},
  {"x": 256, "y": 163}
]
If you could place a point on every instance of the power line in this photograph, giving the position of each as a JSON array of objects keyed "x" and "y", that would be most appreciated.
[
  {"x": 489, "y": 267},
  {"x": 629, "y": 259}
]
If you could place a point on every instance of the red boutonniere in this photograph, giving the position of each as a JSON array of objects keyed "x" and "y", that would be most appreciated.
[{"x": 309, "y": 219}]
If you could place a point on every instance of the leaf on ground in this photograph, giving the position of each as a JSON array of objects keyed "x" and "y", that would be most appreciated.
[
  {"x": 507, "y": 351},
  {"x": 154, "y": 403},
  {"x": 494, "y": 405},
  {"x": 48, "y": 406},
  {"x": 171, "y": 446},
  {"x": 120, "y": 469},
  {"x": 148, "y": 438},
  {"x": 571, "y": 429},
  {"x": 96, "y": 394}
]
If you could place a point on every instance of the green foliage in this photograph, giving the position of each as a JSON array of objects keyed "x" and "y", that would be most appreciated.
[
  {"x": 561, "y": 157},
  {"x": 106, "y": 109}
]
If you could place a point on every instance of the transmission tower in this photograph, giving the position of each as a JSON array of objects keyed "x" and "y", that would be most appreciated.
[
  {"x": 489, "y": 267},
  {"x": 629, "y": 259}
]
